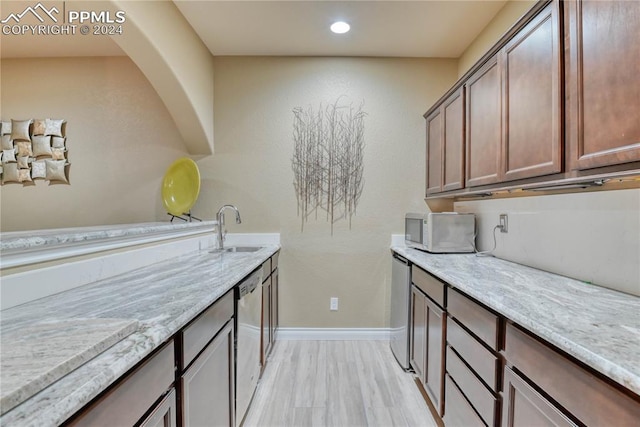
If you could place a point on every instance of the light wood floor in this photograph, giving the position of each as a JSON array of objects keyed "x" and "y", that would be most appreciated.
[{"x": 336, "y": 383}]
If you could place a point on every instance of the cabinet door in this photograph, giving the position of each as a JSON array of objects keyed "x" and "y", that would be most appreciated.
[
  {"x": 453, "y": 141},
  {"x": 418, "y": 332},
  {"x": 531, "y": 88},
  {"x": 208, "y": 385},
  {"x": 445, "y": 145},
  {"x": 266, "y": 321},
  {"x": 165, "y": 413},
  {"x": 484, "y": 125},
  {"x": 603, "y": 83},
  {"x": 434, "y": 372},
  {"x": 524, "y": 406},
  {"x": 275, "y": 322},
  {"x": 588, "y": 398},
  {"x": 434, "y": 152}
]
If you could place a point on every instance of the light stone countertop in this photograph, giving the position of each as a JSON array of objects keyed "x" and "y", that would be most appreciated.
[
  {"x": 597, "y": 326},
  {"x": 161, "y": 299},
  {"x": 37, "y": 239}
]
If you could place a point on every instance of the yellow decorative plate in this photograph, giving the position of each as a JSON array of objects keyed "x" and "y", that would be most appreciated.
[{"x": 181, "y": 186}]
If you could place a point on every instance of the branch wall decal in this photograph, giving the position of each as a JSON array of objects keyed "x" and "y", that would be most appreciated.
[{"x": 327, "y": 161}]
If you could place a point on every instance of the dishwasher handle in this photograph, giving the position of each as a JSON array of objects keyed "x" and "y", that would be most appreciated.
[{"x": 400, "y": 259}]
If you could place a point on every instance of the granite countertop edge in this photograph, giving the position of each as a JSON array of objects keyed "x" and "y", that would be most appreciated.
[
  {"x": 15, "y": 241},
  {"x": 526, "y": 304},
  {"x": 62, "y": 399}
]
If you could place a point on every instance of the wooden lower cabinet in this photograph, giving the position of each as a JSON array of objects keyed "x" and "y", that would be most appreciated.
[
  {"x": 483, "y": 400},
  {"x": 418, "y": 332},
  {"x": 135, "y": 395},
  {"x": 524, "y": 406},
  {"x": 270, "y": 307},
  {"x": 497, "y": 374},
  {"x": 434, "y": 372},
  {"x": 480, "y": 321},
  {"x": 266, "y": 321},
  {"x": 458, "y": 411},
  {"x": 208, "y": 397},
  {"x": 275, "y": 314},
  {"x": 485, "y": 363},
  {"x": 427, "y": 346},
  {"x": 473, "y": 361},
  {"x": 190, "y": 380},
  {"x": 429, "y": 285},
  {"x": 587, "y": 398},
  {"x": 164, "y": 415}
]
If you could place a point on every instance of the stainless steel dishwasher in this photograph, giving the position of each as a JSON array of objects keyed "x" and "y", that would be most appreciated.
[
  {"x": 400, "y": 313},
  {"x": 249, "y": 315}
]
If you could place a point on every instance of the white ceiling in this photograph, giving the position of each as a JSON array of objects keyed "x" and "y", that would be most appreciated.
[{"x": 441, "y": 28}]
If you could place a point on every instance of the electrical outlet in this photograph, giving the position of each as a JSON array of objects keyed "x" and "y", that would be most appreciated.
[
  {"x": 504, "y": 223},
  {"x": 333, "y": 304}
]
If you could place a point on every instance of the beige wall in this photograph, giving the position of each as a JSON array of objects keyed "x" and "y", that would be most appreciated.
[
  {"x": 252, "y": 169},
  {"x": 504, "y": 19},
  {"x": 120, "y": 138},
  {"x": 177, "y": 63},
  {"x": 592, "y": 237}
]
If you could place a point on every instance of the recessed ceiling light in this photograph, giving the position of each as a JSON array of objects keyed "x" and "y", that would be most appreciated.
[{"x": 340, "y": 27}]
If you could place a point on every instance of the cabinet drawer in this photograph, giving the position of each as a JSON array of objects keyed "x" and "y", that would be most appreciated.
[
  {"x": 196, "y": 336},
  {"x": 477, "y": 393},
  {"x": 274, "y": 260},
  {"x": 126, "y": 403},
  {"x": 477, "y": 319},
  {"x": 428, "y": 284},
  {"x": 587, "y": 397},
  {"x": 481, "y": 360},
  {"x": 457, "y": 411}
]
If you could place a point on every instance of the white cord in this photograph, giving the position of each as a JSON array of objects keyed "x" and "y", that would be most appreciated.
[{"x": 490, "y": 253}]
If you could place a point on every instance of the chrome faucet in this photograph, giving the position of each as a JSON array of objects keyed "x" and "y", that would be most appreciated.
[{"x": 220, "y": 219}]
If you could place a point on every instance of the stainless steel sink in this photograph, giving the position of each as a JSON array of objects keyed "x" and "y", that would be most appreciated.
[{"x": 238, "y": 249}]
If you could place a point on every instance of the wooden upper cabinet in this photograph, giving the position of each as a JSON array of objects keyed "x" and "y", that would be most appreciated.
[
  {"x": 445, "y": 145},
  {"x": 453, "y": 141},
  {"x": 514, "y": 107},
  {"x": 602, "y": 73},
  {"x": 531, "y": 99},
  {"x": 484, "y": 125},
  {"x": 434, "y": 152}
]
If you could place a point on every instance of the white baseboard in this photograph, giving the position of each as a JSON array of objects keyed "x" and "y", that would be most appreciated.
[{"x": 333, "y": 334}]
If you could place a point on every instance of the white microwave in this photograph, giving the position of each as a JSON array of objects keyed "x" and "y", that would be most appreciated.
[{"x": 446, "y": 232}]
